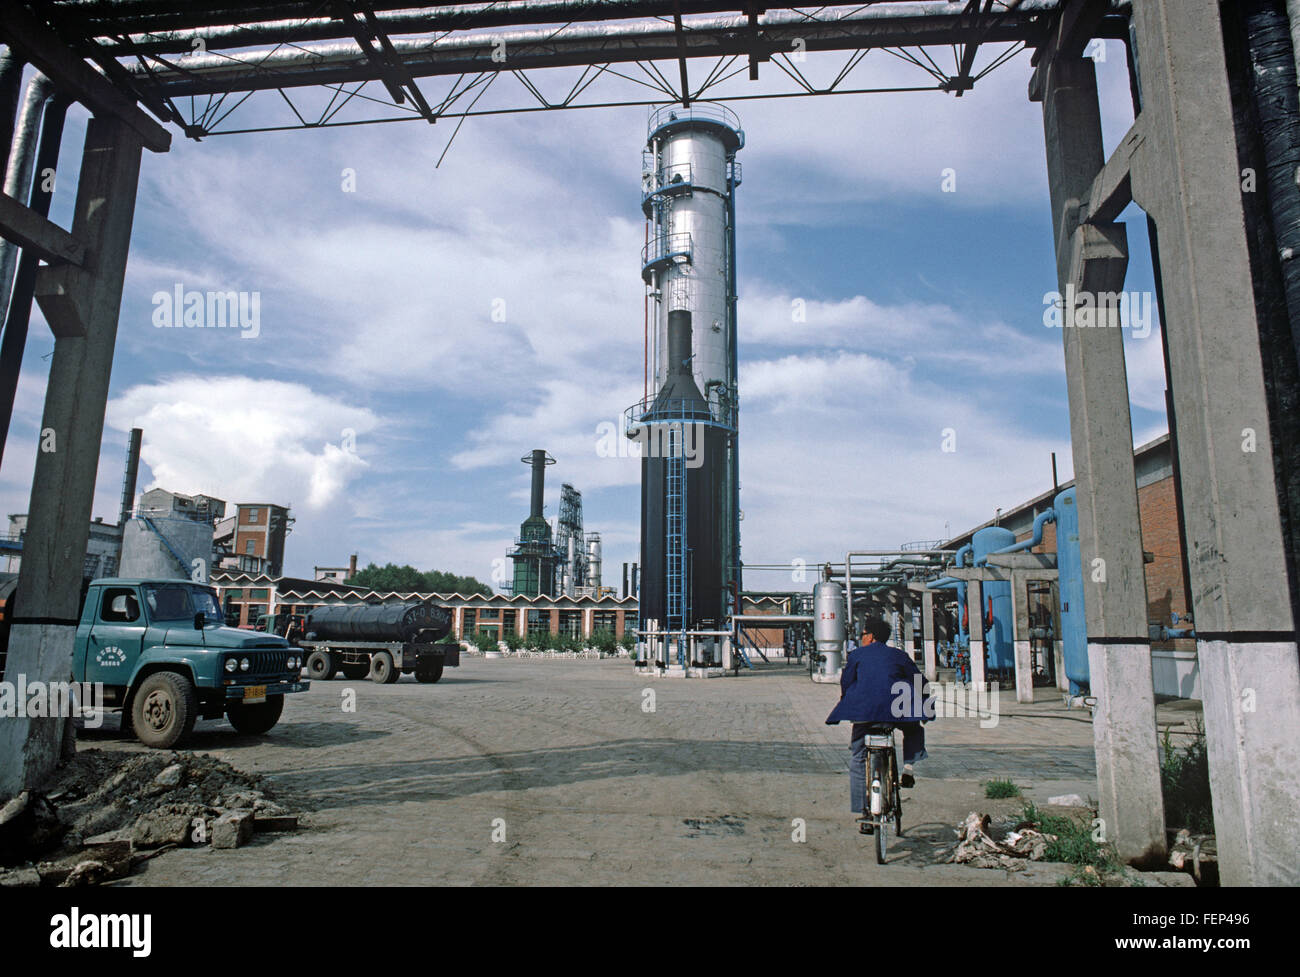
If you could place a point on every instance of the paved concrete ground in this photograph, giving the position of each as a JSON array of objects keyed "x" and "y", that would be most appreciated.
[{"x": 590, "y": 788}]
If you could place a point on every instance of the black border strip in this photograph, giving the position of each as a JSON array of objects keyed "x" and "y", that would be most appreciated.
[
  {"x": 71, "y": 622},
  {"x": 1109, "y": 640},
  {"x": 1246, "y": 637}
]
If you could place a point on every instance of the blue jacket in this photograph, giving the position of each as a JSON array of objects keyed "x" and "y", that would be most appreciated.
[{"x": 881, "y": 684}]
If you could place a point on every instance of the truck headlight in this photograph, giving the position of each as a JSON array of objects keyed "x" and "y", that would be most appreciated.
[
  {"x": 231, "y": 665},
  {"x": 293, "y": 664},
  {"x": 243, "y": 664}
]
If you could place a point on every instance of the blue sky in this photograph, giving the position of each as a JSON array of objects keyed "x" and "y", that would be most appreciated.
[{"x": 924, "y": 312}]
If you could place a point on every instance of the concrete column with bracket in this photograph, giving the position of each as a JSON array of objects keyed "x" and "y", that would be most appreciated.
[
  {"x": 1091, "y": 261},
  {"x": 1184, "y": 174},
  {"x": 81, "y": 305}
]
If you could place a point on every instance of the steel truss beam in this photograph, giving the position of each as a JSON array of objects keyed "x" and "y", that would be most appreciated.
[{"x": 163, "y": 52}]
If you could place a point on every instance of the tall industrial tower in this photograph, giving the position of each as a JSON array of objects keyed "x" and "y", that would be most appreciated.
[
  {"x": 534, "y": 552},
  {"x": 690, "y": 562}
]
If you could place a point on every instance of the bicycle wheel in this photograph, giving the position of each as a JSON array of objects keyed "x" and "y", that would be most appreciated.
[
  {"x": 878, "y": 774},
  {"x": 897, "y": 793}
]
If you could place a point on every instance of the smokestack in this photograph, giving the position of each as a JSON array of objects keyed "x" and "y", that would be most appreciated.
[
  {"x": 679, "y": 341},
  {"x": 352, "y": 566},
  {"x": 539, "y": 459},
  {"x": 624, "y": 592},
  {"x": 129, "y": 477}
]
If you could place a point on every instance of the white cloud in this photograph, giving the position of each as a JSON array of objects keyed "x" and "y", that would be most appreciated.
[{"x": 244, "y": 440}]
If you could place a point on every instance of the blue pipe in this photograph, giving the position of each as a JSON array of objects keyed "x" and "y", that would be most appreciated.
[{"x": 1042, "y": 519}]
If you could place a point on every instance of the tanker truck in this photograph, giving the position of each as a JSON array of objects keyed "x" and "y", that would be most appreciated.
[{"x": 379, "y": 641}]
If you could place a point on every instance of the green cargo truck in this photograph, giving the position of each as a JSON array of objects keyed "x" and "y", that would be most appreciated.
[{"x": 165, "y": 657}]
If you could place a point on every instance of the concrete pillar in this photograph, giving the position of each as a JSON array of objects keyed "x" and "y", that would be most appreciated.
[
  {"x": 1058, "y": 664},
  {"x": 1185, "y": 176},
  {"x": 975, "y": 614},
  {"x": 58, "y": 525},
  {"x": 930, "y": 662},
  {"x": 1092, "y": 260},
  {"x": 1023, "y": 656}
]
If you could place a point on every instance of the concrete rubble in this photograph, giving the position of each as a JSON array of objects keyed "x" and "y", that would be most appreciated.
[{"x": 104, "y": 813}]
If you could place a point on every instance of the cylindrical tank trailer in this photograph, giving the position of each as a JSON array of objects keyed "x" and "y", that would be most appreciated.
[
  {"x": 379, "y": 622},
  {"x": 379, "y": 641}
]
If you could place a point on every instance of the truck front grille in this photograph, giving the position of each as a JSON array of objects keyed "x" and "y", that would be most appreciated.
[{"x": 263, "y": 663}]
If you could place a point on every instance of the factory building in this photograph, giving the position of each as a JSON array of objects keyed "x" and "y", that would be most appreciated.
[
  {"x": 244, "y": 596},
  {"x": 1174, "y": 666},
  {"x": 252, "y": 540},
  {"x": 102, "y": 547},
  {"x": 336, "y": 574}
]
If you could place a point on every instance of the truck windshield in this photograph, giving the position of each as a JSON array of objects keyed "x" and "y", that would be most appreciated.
[{"x": 177, "y": 602}]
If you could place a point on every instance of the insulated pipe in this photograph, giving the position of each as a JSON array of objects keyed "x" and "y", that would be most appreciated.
[
  {"x": 18, "y": 174},
  {"x": 24, "y": 283},
  {"x": 1041, "y": 520},
  {"x": 1293, "y": 15},
  {"x": 11, "y": 80},
  {"x": 287, "y": 66},
  {"x": 452, "y": 17},
  {"x": 1273, "y": 91},
  {"x": 848, "y": 562}
]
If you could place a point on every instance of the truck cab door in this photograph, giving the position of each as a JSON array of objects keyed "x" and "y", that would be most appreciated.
[{"x": 116, "y": 636}]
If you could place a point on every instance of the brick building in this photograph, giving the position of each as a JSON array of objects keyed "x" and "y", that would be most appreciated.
[
  {"x": 1173, "y": 662},
  {"x": 252, "y": 540}
]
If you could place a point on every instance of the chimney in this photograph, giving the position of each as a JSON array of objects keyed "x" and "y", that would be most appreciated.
[
  {"x": 130, "y": 475},
  {"x": 539, "y": 459},
  {"x": 352, "y": 566}
]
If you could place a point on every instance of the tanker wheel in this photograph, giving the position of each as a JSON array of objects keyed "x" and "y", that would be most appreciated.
[
  {"x": 320, "y": 666},
  {"x": 383, "y": 670},
  {"x": 355, "y": 672},
  {"x": 429, "y": 673}
]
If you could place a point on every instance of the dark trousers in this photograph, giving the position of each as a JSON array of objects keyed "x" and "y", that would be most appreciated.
[{"x": 913, "y": 750}]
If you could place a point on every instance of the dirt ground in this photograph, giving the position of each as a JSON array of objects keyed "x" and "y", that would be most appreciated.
[{"x": 541, "y": 772}]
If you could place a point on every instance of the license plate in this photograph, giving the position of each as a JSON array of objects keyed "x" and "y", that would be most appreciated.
[{"x": 255, "y": 693}]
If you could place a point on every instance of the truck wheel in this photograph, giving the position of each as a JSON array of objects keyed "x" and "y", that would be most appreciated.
[
  {"x": 428, "y": 673},
  {"x": 355, "y": 672},
  {"x": 256, "y": 718},
  {"x": 163, "y": 710},
  {"x": 383, "y": 670},
  {"x": 320, "y": 666}
]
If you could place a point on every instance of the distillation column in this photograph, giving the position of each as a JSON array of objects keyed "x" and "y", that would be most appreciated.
[{"x": 689, "y": 179}]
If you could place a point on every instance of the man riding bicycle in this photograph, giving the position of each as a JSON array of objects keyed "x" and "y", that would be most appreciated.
[{"x": 879, "y": 684}]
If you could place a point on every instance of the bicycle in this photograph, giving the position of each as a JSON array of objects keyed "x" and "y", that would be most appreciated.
[{"x": 884, "y": 796}]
